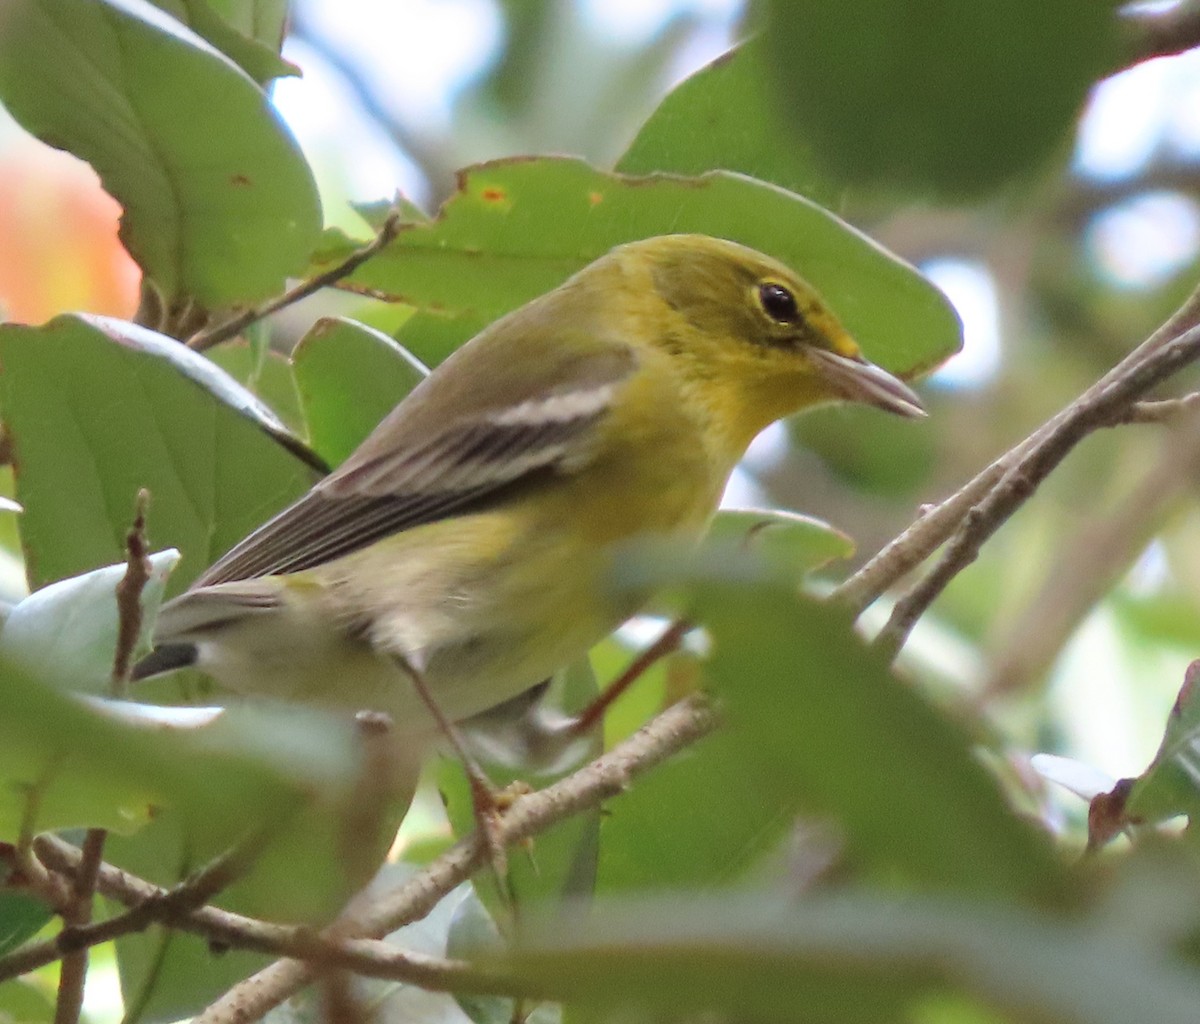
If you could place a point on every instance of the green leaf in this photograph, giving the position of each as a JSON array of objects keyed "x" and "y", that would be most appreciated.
[
  {"x": 262, "y": 20},
  {"x": 260, "y": 60},
  {"x": 1171, "y": 786},
  {"x": 869, "y": 450},
  {"x": 219, "y": 204},
  {"x": 167, "y": 974},
  {"x": 787, "y": 540},
  {"x": 107, "y": 765},
  {"x": 22, "y": 1003},
  {"x": 471, "y": 934},
  {"x": 816, "y": 725},
  {"x": 198, "y": 780},
  {"x": 518, "y": 228},
  {"x": 68, "y": 629},
  {"x": 725, "y": 116},
  {"x": 851, "y": 958},
  {"x": 658, "y": 834},
  {"x": 266, "y": 375},
  {"x": 98, "y": 408},
  {"x": 928, "y": 96},
  {"x": 350, "y": 377},
  {"x": 21, "y": 918}
]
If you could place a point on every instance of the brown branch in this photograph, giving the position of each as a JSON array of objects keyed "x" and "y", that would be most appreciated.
[
  {"x": 1162, "y": 33},
  {"x": 1018, "y": 484},
  {"x": 78, "y": 913},
  {"x": 936, "y": 523},
  {"x": 148, "y": 904},
  {"x": 1167, "y": 410},
  {"x": 129, "y": 595},
  {"x": 607, "y": 776},
  {"x": 340, "y": 946},
  {"x": 233, "y": 327}
]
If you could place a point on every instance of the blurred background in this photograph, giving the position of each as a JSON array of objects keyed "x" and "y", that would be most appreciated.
[{"x": 1075, "y": 625}]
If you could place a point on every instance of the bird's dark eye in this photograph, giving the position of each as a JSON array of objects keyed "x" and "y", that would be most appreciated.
[{"x": 779, "y": 303}]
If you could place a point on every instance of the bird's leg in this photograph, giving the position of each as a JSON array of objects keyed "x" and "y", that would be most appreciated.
[
  {"x": 486, "y": 801},
  {"x": 666, "y": 644}
]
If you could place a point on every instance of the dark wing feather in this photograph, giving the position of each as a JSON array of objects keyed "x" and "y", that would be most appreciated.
[{"x": 391, "y": 484}]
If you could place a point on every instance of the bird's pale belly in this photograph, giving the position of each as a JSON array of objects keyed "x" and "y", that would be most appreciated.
[{"x": 336, "y": 638}]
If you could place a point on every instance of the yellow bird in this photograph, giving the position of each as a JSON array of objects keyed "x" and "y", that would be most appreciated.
[{"x": 467, "y": 541}]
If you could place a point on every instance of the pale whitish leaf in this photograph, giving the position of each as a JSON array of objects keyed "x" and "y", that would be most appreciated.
[
  {"x": 1078, "y": 777},
  {"x": 68, "y": 630}
]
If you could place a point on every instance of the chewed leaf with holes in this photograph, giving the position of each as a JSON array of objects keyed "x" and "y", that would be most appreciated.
[
  {"x": 518, "y": 228},
  {"x": 98, "y": 408}
]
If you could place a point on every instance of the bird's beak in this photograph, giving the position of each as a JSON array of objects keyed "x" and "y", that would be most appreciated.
[{"x": 860, "y": 381}]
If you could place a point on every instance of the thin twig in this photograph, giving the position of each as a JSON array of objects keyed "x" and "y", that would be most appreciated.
[
  {"x": 78, "y": 912},
  {"x": 675, "y": 728},
  {"x": 73, "y": 976},
  {"x": 1019, "y": 482},
  {"x": 233, "y": 327},
  {"x": 667, "y": 643},
  {"x": 151, "y": 904},
  {"x": 1166, "y": 410},
  {"x": 932, "y": 528},
  {"x": 129, "y": 595},
  {"x": 148, "y": 904},
  {"x": 1161, "y": 33},
  {"x": 339, "y": 947}
]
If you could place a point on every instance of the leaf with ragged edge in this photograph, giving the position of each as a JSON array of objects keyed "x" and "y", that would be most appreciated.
[
  {"x": 219, "y": 204},
  {"x": 1171, "y": 785},
  {"x": 518, "y": 228},
  {"x": 925, "y": 96},
  {"x": 68, "y": 629},
  {"x": 844, "y": 959},
  {"x": 350, "y": 377},
  {"x": 816, "y": 725},
  {"x": 725, "y": 117},
  {"x": 98, "y": 408}
]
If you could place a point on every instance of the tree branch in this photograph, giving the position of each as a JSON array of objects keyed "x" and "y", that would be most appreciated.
[
  {"x": 936, "y": 523},
  {"x": 129, "y": 595},
  {"x": 1151, "y": 34},
  {"x": 78, "y": 913},
  {"x": 232, "y": 328},
  {"x": 352, "y": 943},
  {"x": 1094, "y": 410}
]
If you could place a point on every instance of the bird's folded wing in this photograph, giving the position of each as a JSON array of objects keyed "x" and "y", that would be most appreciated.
[{"x": 410, "y": 471}]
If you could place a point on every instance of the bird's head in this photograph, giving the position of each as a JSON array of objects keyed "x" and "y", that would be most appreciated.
[{"x": 743, "y": 323}]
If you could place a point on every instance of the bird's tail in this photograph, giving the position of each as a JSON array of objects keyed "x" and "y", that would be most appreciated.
[{"x": 164, "y": 658}]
